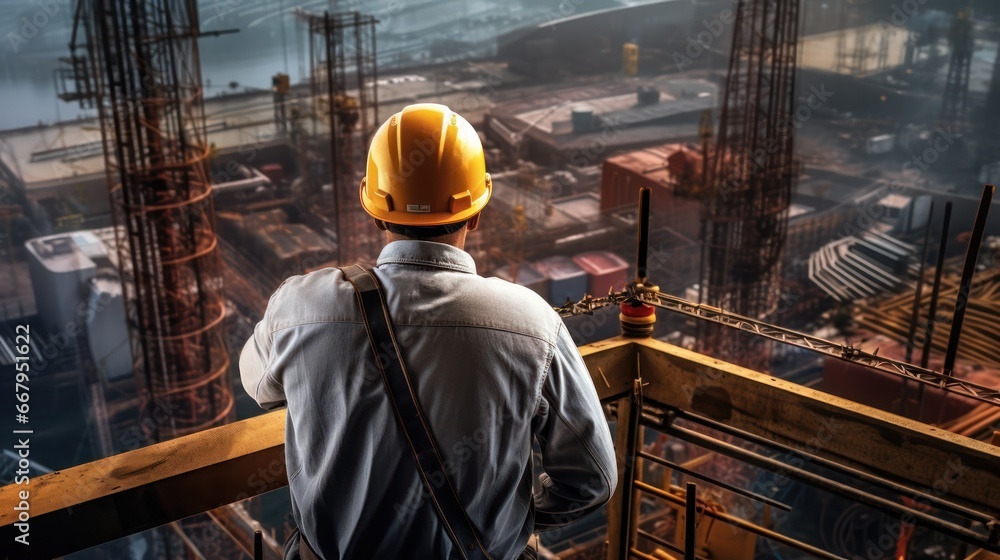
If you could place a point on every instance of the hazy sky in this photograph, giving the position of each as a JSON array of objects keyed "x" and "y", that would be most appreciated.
[{"x": 34, "y": 39}]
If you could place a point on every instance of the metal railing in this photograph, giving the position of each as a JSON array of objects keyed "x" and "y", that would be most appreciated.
[
  {"x": 651, "y": 386},
  {"x": 870, "y": 457}
]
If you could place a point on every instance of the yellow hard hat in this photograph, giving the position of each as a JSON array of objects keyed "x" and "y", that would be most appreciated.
[{"x": 426, "y": 167}]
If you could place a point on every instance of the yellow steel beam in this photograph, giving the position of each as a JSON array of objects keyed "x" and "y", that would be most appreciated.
[
  {"x": 96, "y": 502},
  {"x": 878, "y": 442}
]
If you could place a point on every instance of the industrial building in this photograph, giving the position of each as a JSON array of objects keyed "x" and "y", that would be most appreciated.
[{"x": 768, "y": 226}]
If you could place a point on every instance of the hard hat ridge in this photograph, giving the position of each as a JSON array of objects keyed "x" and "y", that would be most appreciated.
[{"x": 426, "y": 167}]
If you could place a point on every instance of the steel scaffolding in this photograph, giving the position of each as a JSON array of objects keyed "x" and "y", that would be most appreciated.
[
  {"x": 751, "y": 176},
  {"x": 956, "y": 88},
  {"x": 344, "y": 94},
  {"x": 989, "y": 147},
  {"x": 145, "y": 78}
]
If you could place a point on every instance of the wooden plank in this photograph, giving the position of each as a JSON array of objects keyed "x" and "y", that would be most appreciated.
[
  {"x": 96, "y": 502},
  {"x": 903, "y": 450},
  {"x": 984, "y": 555},
  {"x": 612, "y": 364},
  {"x": 615, "y": 504},
  {"x": 613, "y": 367}
]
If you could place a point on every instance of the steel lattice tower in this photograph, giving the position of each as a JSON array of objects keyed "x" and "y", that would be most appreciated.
[
  {"x": 956, "y": 89},
  {"x": 752, "y": 174},
  {"x": 344, "y": 94},
  {"x": 145, "y": 78},
  {"x": 992, "y": 120},
  {"x": 989, "y": 148}
]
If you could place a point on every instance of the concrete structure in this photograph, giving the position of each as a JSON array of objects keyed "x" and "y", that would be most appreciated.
[
  {"x": 819, "y": 51},
  {"x": 59, "y": 168},
  {"x": 78, "y": 290},
  {"x": 280, "y": 247},
  {"x": 540, "y": 127},
  {"x": 861, "y": 266},
  {"x": 60, "y": 266},
  {"x": 813, "y": 222}
]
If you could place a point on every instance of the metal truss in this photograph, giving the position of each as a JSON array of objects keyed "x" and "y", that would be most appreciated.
[{"x": 640, "y": 294}]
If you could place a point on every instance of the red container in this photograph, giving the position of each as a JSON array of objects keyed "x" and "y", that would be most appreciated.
[
  {"x": 273, "y": 171},
  {"x": 608, "y": 272}
]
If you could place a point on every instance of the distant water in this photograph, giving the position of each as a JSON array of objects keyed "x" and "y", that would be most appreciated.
[{"x": 33, "y": 40}]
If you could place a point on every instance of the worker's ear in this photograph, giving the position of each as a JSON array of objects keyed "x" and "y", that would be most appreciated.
[
  {"x": 379, "y": 224},
  {"x": 473, "y": 222}
]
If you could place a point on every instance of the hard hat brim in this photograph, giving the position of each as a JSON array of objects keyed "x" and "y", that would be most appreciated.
[{"x": 404, "y": 218}]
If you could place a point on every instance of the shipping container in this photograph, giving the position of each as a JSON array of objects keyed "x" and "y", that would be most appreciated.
[
  {"x": 608, "y": 272},
  {"x": 567, "y": 280}
]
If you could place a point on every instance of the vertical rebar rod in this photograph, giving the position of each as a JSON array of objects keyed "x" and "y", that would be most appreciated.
[
  {"x": 642, "y": 245},
  {"x": 915, "y": 316},
  {"x": 936, "y": 291},
  {"x": 376, "y": 122},
  {"x": 334, "y": 171},
  {"x": 917, "y": 298},
  {"x": 258, "y": 545},
  {"x": 628, "y": 478},
  {"x": 690, "y": 525},
  {"x": 359, "y": 75},
  {"x": 932, "y": 312},
  {"x": 968, "y": 271}
]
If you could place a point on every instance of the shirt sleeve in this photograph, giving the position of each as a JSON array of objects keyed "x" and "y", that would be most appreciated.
[
  {"x": 578, "y": 455},
  {"x": 255, "y": 362}
]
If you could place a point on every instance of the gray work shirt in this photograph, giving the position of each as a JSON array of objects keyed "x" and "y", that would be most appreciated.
[{"x": 494, "y": 368}]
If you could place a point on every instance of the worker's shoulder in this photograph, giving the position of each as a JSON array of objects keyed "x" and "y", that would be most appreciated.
[
  {"x": 321, "y": 279},
  {"x": 315, "y": 297},
  {"x": 507, "y": 306}
]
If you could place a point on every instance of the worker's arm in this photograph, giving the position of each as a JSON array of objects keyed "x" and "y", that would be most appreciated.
[
  {"x": 578, "y": 455},
  {"x": 255, "y": 362}
]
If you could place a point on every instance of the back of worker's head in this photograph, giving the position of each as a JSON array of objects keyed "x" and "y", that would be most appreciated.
[{"x": 426, "y": 175}]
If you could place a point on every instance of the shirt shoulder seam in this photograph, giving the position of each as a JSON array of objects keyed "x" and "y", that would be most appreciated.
[
  {"x": 423, "y": 262},
  {"x": 317, "y": 322},
  {"x": 479, "y": 326},
  {"x": 548, "y": 364}
]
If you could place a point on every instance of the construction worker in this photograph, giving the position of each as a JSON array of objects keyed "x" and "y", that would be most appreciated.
[{"x": 491, "y": 365}]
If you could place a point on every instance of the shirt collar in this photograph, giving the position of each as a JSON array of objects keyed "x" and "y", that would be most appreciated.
[{"x": 427, "y": 253}]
